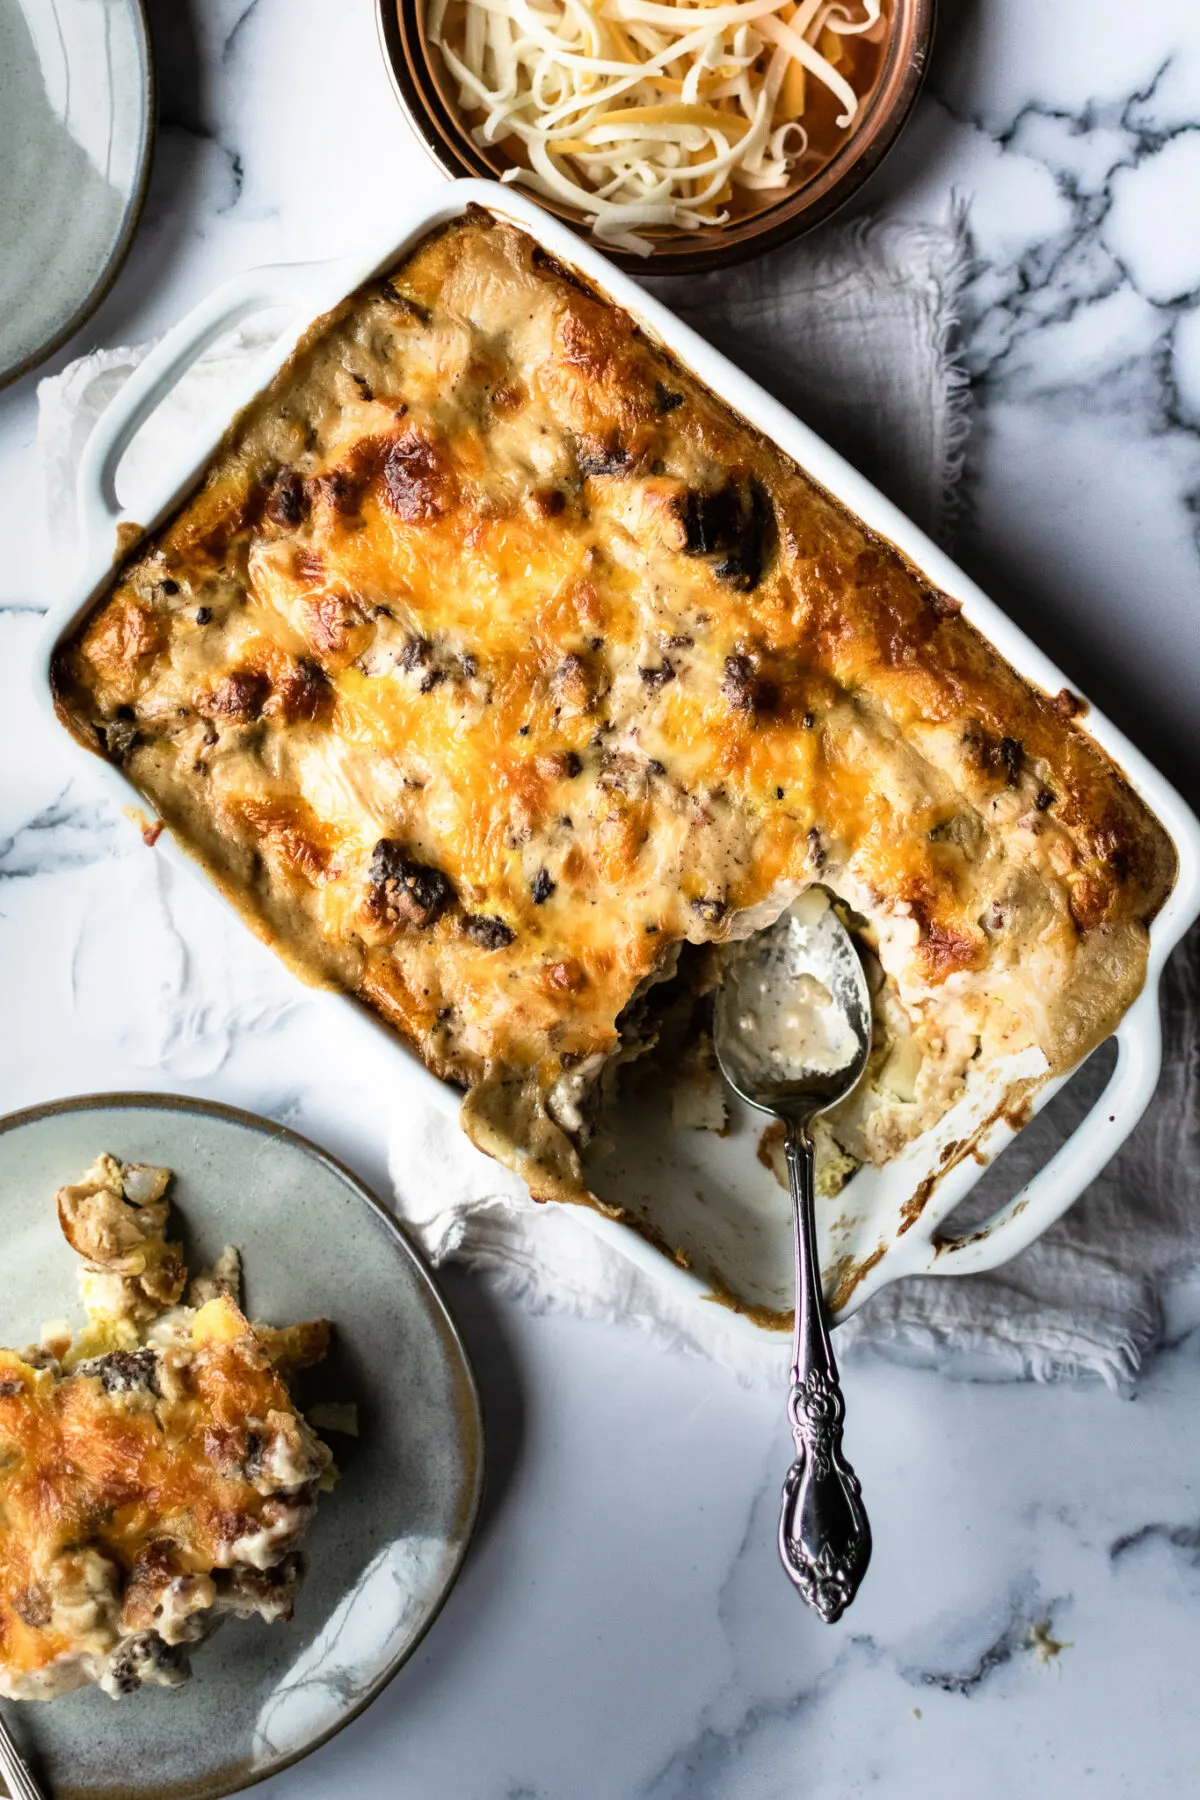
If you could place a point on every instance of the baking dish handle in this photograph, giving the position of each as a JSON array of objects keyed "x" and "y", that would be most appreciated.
[
  {"x": 1048, "y": 1194},
  {"x": 300, "y": 286}
]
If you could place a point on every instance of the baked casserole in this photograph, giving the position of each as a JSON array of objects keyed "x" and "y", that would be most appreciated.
[
  {"x": 155, "y": 1475},
  {"x": 500, "y": 674}
]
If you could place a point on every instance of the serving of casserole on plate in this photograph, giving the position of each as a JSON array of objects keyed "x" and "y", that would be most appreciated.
[
  {"x": 500, "y": 673},
  {"x": 158, "y": 1471},
  {"x": 158, "y": 1478}
]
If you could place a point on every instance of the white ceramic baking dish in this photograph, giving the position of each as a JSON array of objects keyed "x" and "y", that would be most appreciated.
[{"x": 713, "y": 1197}]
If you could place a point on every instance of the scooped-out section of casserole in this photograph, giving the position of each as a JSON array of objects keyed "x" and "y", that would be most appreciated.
[
  {"x": 155, "y": 1476},
  {"x": 500, "y": 674}
]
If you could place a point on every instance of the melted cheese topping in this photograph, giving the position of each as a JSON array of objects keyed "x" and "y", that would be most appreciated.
[
  {"x": 154, "y": 1473},
  {"x": 114, "y": 1501},
  {"x": 495, "y": 658}
]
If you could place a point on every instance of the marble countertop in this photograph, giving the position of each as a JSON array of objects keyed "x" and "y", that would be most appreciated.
[{"x": 1032, "y": 1617}]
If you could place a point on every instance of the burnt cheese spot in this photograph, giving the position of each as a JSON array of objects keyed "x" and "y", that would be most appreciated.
[
  {"x": 735, "y": 524},
  {"x": 943, "y": 948},
  {"x": 340, "y": 489},
  {"x": 302, "y": 693},
  {"x": 238, "y": 697},
  {"x": 334, "y": 623},
  {"x": 541, "y": 887},
  {"x": 416, "y": 479},
  {"x": 548, "y": 502}
]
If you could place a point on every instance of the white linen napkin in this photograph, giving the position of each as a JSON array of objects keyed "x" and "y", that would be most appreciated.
[{"x": 855, "y": 331}]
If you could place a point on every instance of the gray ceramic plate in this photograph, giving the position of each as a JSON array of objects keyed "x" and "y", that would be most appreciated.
[
  {"x": 76, "y": 126},
  {"x": 386, "y": 1545}
]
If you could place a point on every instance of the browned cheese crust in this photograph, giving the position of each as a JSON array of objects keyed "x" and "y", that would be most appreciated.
[{"x": 495, "y": 657}]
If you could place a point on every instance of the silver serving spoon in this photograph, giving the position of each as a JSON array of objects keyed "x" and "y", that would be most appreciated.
[{"x": 792, "y": 1032}]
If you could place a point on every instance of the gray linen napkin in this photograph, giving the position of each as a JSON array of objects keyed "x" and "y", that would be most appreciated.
[
  {"x": 1087, "y": 1297},
  {"x": 855, "y": 331}
]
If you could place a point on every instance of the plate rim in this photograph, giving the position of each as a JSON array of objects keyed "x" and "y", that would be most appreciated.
[
  {"x": 472, "y": 1410},
  {"x": 134, "y": 205}
]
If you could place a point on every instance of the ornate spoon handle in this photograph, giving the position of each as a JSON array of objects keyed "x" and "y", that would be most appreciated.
[{"x": 824, "y": 1537}]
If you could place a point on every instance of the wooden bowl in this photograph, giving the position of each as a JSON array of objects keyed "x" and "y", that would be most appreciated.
[{"x": 426, "y": 92}]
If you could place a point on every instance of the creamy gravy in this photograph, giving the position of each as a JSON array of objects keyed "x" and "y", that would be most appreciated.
[{"x": 787, "y": 1013}]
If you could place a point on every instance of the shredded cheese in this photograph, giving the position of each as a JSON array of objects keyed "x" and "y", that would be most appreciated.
[{"x": 580, "y": 85}]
